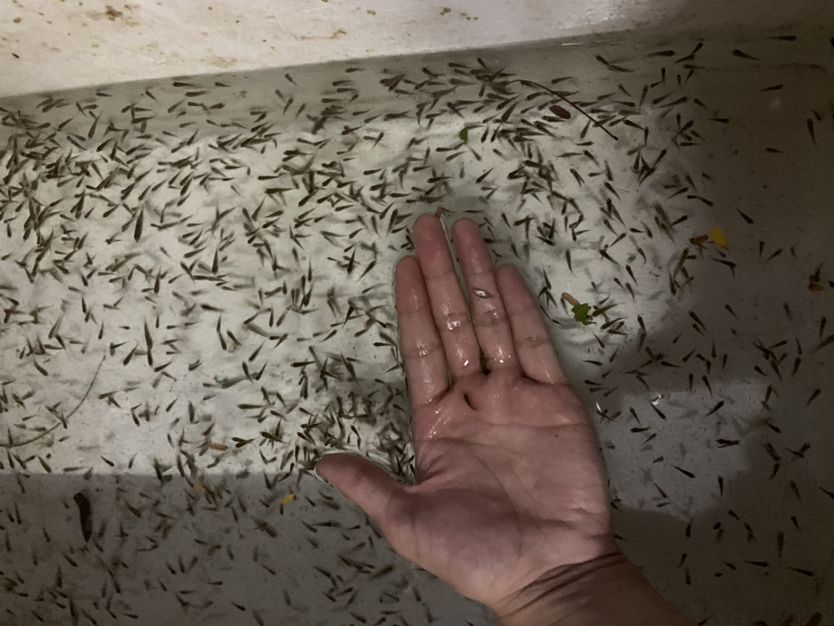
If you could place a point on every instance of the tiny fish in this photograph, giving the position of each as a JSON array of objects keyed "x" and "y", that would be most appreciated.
[{"x": 85, "y": 514}]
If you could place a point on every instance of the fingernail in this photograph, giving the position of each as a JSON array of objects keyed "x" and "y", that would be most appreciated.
[
  {"x": 315, "y": 474},
  {"x": 315, "y": 470},
  {"x": 402, "y": 258}
]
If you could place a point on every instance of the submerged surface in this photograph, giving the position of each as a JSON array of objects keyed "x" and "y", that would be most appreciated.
[{"x": 195, "y": 278}]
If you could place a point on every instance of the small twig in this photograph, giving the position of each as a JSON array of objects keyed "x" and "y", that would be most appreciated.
[
  {"x": 9, "y": 444},
  {"x": 571, "y": 103}
]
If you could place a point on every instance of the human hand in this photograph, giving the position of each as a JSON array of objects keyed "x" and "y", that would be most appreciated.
[{"x": 511, "y": 484}]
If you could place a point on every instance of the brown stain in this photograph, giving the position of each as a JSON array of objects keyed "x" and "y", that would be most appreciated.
[
  {"x": 112, "y": 13},
  {"x": 463, "y": 14},
  {"x": 371, "y": 12},
  {"x": 339, "y": 32},
  {"x": 223, "y": 63}
]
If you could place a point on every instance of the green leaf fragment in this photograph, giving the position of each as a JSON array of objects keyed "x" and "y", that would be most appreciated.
[
  {"x": 582, "y": 313},
  {"x": 464, "y": 135}
]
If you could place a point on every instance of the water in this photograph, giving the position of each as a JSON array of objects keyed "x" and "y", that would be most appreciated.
[{"x": 195, "y": 278}]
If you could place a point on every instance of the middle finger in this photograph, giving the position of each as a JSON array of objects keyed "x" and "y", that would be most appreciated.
[
  {"x": 488, "y": 314},
  {"x": 451, "y": 313}
]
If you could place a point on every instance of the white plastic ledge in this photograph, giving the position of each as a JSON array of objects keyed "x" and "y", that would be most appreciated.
[{"x": 50, "y": 45}]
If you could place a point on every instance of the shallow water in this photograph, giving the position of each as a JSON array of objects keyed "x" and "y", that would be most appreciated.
[{"x": 196, "y": 293}]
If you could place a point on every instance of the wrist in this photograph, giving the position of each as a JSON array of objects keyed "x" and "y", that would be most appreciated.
[{"x": 608, "y": 589}]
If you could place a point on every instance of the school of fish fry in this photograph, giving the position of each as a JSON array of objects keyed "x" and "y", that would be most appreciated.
[{"x": 196, "y": 303}]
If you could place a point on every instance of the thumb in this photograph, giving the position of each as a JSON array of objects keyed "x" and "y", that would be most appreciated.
[{"x": 366, "y": 484}]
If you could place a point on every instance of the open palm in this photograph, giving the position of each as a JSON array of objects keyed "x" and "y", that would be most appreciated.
[{"x": 511, "y": 484}]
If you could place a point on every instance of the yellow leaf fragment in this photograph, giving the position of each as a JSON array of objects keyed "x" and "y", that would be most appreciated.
[
  {"x": 287, "y": 499},
  {"x": 719, "y": 237}
]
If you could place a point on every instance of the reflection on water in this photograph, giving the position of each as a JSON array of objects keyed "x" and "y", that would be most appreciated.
[{"x": 196, "y": 303}]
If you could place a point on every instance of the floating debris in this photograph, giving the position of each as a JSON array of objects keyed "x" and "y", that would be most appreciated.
[
  {"x": 719, "y": 237},
  {"x": 581, "y": 310}
]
